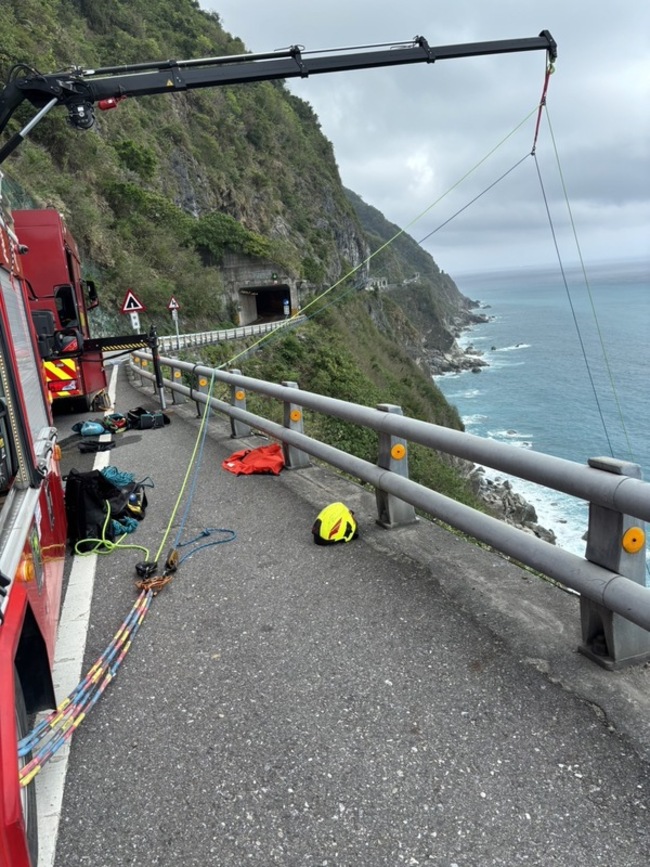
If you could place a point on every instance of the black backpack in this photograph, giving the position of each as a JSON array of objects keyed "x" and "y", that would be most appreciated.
[{"x": 88, "y": 498}]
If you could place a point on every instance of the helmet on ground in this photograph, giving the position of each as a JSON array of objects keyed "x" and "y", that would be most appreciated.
[{"x": 335, "y": 523}]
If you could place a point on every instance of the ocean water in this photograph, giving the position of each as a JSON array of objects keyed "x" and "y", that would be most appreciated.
[{"x": 568, "y": 374}]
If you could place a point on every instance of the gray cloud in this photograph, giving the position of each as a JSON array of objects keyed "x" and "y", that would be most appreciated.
[{"x": 404, "y": 137}]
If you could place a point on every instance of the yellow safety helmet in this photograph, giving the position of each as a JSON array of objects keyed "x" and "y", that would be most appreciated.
[{"x": 335, "y": 523}]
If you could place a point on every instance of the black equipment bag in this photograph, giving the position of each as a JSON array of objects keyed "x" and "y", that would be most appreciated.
[
  {"x": 141, "y": 419},
  {"x": 86, "y": 499}
]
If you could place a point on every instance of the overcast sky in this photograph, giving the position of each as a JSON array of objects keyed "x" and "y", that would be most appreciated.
[{"x": 404, "y": 136}]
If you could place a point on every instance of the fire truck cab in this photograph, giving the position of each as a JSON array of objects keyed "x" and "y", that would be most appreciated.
[
  {"x": 32, "y": 547},
  {"x": 59, "y": 300}
]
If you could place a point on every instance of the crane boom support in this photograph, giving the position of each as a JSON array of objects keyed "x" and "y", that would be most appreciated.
[
  {"x": 79, "y": 89},
  {"x": 178, "y": 76}
]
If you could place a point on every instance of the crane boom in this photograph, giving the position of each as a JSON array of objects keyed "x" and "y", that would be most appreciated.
[{"x": 79, "y": 90}]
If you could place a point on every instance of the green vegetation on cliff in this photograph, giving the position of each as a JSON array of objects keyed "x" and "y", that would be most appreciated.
[{"x": 249, "y": 162}]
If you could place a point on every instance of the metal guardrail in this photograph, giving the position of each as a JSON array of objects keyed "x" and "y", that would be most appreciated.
[
  {"x": 169, "y": 343},
  {"x": 615, "y": 603}
]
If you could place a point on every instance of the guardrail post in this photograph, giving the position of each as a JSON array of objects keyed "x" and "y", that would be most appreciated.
[
  {"x": 138, "y": 362},
  {"x": 203, "y": 386},
  {"x": 238, "y": 399},
  {"x": 294, "y": 459},
  {"x": 152, "y": 382},
  {"x": 616, "y": 542},
  {"x": 393, "y": 455},
  {"x": 176, "y": 376},
  {"x": 144, "y": 364}
]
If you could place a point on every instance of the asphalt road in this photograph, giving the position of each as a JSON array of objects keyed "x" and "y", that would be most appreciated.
[{"x": 405, "y": 699}]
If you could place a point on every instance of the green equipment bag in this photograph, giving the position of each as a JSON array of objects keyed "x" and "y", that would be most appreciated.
[{"x": 336, "y": 523}]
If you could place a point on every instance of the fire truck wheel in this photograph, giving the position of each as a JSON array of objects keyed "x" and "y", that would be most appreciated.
[{"x": 28, "y": 794}]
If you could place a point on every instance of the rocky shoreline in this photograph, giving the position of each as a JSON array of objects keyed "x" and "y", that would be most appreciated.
[
  {"x": 502, "y": 501},
  {"x": 456, "y": 359}
]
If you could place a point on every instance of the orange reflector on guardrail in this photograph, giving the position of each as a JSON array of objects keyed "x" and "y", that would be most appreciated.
[{"x": 633, "y": 540}]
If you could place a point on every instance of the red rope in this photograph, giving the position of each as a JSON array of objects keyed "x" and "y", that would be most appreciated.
[{"x": 542, "y": 103}]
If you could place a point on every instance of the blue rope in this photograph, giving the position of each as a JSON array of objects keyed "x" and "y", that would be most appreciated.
[
  {"x": 197, "y": 467},
  {"x": 117, "y": 477},
  {"x": 195, "y": 477},
  {"x": 204, "y": 535},
  {"x": 123, "y": 525}
]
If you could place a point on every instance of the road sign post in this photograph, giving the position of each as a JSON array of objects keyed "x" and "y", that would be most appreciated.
[
  {"x": 174, "y": 307},
  {"x": 134, "y": 307}
]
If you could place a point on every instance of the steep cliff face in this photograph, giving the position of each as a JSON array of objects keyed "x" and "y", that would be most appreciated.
[{"x": 428, "y": 298}]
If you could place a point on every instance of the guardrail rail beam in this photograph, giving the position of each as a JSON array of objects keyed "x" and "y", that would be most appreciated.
[{"x": 610, "y": 579}]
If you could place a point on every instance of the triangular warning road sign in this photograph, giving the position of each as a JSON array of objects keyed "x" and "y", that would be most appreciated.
[{"x": 131, "y": 304}]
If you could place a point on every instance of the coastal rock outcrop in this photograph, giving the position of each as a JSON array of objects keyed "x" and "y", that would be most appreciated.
[
  {"x": 508, "y": 505},
  {"x": 455, "y": 360}
]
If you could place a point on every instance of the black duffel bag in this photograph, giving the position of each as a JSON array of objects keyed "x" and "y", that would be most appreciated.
[
  {"x": 91, "y": 502},
  {"x": 143, "y": 419}
]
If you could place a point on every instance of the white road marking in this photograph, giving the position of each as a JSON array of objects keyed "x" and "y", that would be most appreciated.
[{"x": 68, "y": 661}]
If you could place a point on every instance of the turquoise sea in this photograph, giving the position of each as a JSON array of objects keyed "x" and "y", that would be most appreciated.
[{"x": 568, "y": 374}]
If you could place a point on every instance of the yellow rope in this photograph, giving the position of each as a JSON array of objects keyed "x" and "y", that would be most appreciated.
[
  {"x": 204, "y": 419},
  {"x": 104, "y": 545}
]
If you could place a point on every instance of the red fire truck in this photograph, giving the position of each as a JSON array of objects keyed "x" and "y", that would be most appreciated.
[
  {"x": 32, "y": 546},
  {"x": 59, "y": 300},
  {"x": 32, "y": 519}
]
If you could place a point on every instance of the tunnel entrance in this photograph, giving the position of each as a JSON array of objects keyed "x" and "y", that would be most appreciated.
[{"x": 264, "y": 303}]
